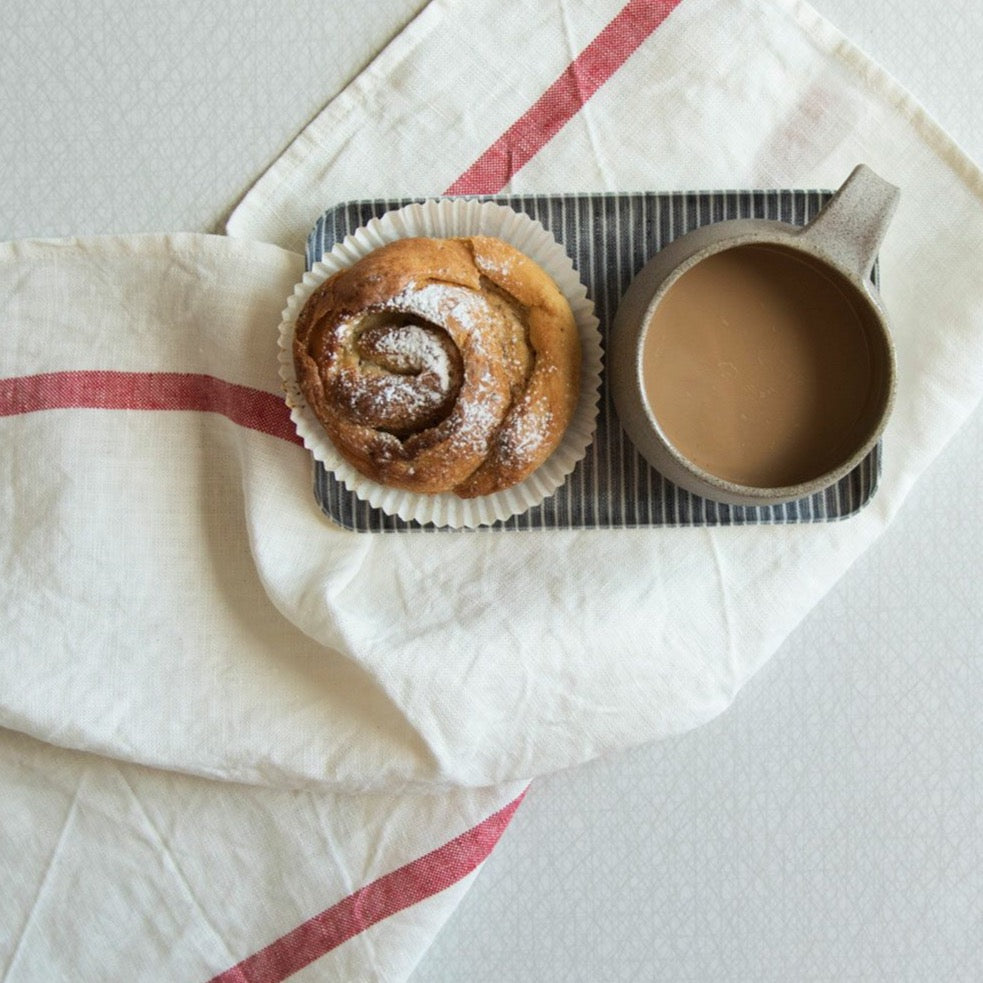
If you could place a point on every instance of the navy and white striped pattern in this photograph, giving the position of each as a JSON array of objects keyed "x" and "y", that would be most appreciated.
[{"x": 610, "y": 237}]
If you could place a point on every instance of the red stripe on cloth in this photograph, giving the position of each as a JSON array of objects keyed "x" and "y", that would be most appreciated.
[
  {"x": 564, "y": 98},
  {"x": 101, "y": 389},
  {"x": 402, "y": 888}
]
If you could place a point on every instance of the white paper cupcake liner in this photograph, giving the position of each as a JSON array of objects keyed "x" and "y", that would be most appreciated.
[{"x": 444, "y": 218}]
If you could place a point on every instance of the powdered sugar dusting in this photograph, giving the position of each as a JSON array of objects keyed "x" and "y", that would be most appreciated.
[
  {"x": 435, "y": 302},
  {"x": 526, "y": 429},
  {"x": 502, "y": 265},
  {"x": 412, "y": 348},
  {"x": 480, "y": 418}
]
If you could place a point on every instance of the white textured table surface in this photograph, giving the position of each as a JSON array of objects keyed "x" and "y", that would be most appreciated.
[{"x": 830, "y": 826}]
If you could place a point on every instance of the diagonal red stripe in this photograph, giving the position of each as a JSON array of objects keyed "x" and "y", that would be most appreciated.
[
  {"x": 101, "y": 389},
  {"x": 402, "y": 888},
  {"x": 564, "y": 98}
]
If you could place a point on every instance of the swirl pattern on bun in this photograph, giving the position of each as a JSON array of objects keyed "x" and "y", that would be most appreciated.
[{"x": 441, "y": 365}]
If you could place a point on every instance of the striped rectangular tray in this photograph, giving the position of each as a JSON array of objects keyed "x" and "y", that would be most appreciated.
[{"x": 609, "y": 237}]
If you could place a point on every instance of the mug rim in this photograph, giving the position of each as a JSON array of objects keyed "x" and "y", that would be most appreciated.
[{"x": 788, "y": 238}]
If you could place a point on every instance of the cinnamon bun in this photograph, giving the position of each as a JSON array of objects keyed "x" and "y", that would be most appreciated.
[{"x": 441, "y": 365}]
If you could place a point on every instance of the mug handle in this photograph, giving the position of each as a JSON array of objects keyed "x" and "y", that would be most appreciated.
[{"x": 852, "y": 224}]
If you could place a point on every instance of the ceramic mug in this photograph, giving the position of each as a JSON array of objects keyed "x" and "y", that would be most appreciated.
[{"x": 751, "y": 361}]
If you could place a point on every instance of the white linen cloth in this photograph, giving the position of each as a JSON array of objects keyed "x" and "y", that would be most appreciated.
[
  {"x": 174, "y": 602},
  {"x": 572, "y": 656},
  {"x": 116, "y": 871}
]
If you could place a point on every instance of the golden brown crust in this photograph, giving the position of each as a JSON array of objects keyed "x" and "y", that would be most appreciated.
[{"x": 441, "y": 364}]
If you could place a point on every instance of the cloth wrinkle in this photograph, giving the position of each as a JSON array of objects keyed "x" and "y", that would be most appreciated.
[
  {"x": 173, "y": 864},
  {"x": 354, "y": 648},
  {"x": 67, "y": 822},
  {"x": 730, "y": 635},
  {"x": 347, "y": 878}
]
